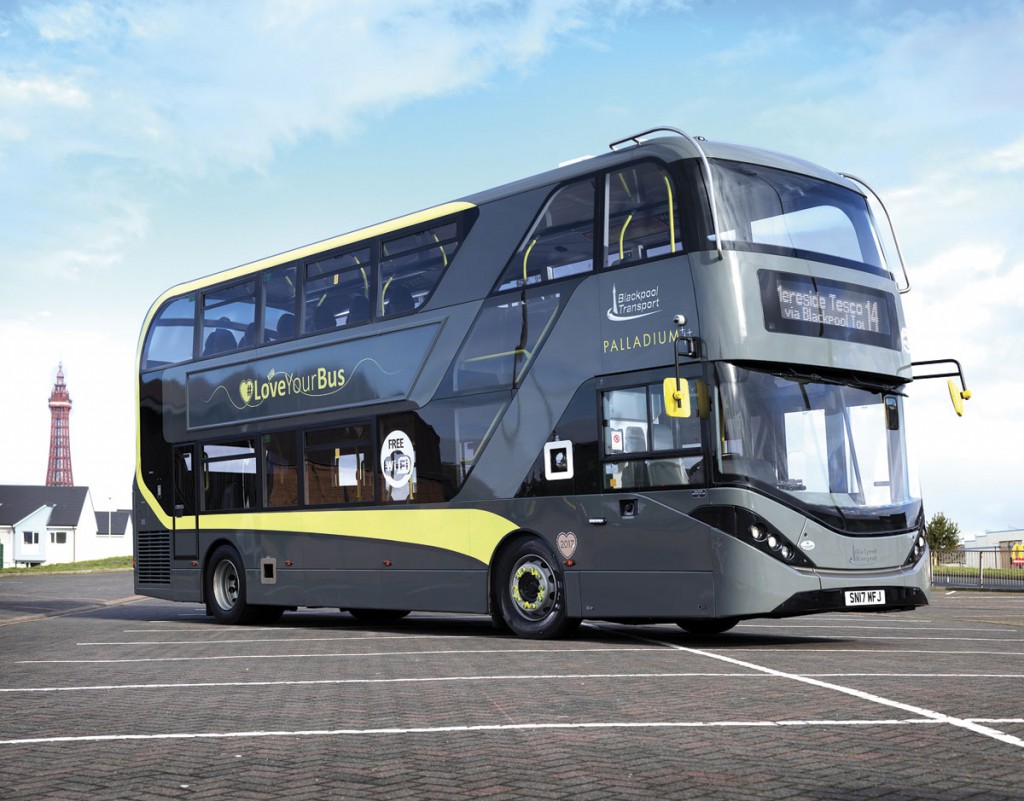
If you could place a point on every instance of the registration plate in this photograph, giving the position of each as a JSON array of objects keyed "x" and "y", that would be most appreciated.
[{"x": 865, "y": 597}]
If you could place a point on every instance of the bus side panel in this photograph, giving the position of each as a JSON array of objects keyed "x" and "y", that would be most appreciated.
[
  {"x": 435, "y": 590},
  {"x": 621, "y": 593},
  {"x": 355, "y": 572},
  {"x": 357, "y": 589},
  {"x": 187, "y": 584}
]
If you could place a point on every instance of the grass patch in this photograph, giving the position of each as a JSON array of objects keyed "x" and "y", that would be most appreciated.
[{"x": 111, "y": 563}]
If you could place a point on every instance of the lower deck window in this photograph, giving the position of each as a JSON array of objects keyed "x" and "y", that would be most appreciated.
[
  {"x": 229, "y": 476},
  {"x": 339, "y": 465},
  {"x": 280, "y": 469},
  {"x": 644, "y": 447}
]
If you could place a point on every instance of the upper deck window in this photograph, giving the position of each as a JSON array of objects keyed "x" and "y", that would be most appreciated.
[
  {"x": 411, "y": 265},
  {"x": 773, "y": 211},
  {"x": 339, "y": 291},
  {"x": 642, "y": 214},
  {"x": 172, "y": 334},
  {"x": 279, "y": 304},
  {"x": 229, "y": 318},
  {"x": 561, "y": 241}
]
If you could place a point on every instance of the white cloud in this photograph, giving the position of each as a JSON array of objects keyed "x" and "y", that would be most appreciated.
[
  {"x": 42, "y": 90},
  {"x": 1009, "y": 158},
  {"x": 106, "y": 102},
  {"x": 69, "y": 22},
  {"x": 167, "y": 90}
]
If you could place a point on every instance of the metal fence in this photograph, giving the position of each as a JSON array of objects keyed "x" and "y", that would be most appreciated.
[{"x": 991, "y": 569}]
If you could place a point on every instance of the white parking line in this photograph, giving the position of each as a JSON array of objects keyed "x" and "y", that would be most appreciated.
[
  {"x": 230, "y": 641},
  {"x": 938, "y": 717},
  {"x": 409, "y": 680},
  {"x": 263, "y": 640},
  {"x": 743, "y": 626},
  {"x": 498, "y": 727},
  {"x": 827, "y": 651},
  {"x": 745, "y": 675},
  {"x": 462, "y": 652}
]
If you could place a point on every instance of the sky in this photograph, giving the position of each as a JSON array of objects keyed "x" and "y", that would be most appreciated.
[{"x": 143, "y": 144}]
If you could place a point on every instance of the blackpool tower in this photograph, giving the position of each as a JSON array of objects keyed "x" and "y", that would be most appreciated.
[{"x": 58, "y": 470}]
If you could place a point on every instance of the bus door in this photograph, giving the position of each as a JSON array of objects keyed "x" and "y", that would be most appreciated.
[
  {"x": 652, "y": 453},
  {"x": 186, "y": 510}
]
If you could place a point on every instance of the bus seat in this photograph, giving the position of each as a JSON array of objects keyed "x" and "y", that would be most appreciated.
[
  {"x": 399, "y": 300},
  {"x": 661, "y": 437},
  {"x": 325, "y": 315},
  {"x": 666, "y": 473},
  {"x": 286, "y": 326},
  {"x": 635, "y": 439},
  {"x": 358, "y": 309},
  {"x": 634, "y": 474},
  {"x": 220, "y": 340}
]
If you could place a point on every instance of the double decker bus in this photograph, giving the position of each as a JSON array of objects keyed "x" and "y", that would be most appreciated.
[{"x": 665, "y": 383}]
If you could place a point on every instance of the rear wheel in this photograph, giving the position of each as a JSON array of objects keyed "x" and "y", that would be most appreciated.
[
  {"x": 530, "y": 592},
  {"x": 224, "y": 588}
]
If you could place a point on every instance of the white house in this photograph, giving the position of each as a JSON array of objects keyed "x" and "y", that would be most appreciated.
[{"x": 55, "y": 525}]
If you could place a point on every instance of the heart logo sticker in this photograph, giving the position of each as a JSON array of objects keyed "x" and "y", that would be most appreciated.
[{"x": 566, "y": 542}]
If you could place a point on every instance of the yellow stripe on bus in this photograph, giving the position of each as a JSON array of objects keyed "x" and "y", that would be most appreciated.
[{"x": 471, "y": 532}]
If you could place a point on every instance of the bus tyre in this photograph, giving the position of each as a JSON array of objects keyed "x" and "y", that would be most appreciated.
[
  {"x": 706, "y": 626},
  {"x": 224, "y": 587},
  {"x": 531, "y": 592}
]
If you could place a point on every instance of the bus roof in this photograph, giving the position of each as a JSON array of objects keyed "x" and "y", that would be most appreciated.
[{"x": 667, "y": 148}]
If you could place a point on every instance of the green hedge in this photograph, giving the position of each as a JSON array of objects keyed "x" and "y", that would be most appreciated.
[{"x": 972, "y": 572}]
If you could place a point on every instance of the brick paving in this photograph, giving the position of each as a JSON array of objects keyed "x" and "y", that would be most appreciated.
[{"x": 137, "y": 698}]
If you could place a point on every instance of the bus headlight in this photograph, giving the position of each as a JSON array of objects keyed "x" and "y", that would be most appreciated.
[
  {"x": 917, "y": 550},
  {"x": 755, "y": 531}
]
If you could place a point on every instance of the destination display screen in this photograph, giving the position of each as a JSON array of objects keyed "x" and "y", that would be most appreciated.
[{"x": 818, "y": 307}]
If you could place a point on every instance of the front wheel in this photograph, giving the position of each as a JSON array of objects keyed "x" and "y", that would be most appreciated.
[{"x": 530, "y": 592}]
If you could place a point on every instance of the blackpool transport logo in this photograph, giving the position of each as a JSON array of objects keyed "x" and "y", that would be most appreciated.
[{"x": 634, "y": 304}]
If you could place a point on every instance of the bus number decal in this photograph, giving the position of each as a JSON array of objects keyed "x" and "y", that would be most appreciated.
[{"x": 566, "y": 542}]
